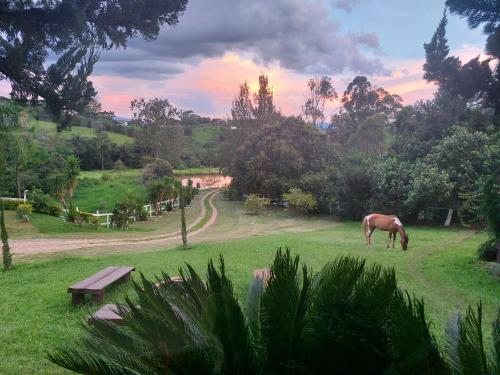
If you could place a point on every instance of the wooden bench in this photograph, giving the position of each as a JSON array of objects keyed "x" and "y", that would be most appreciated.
[
  {"x": 108, "y": 313},
  {"x": 95, "y": 284}
]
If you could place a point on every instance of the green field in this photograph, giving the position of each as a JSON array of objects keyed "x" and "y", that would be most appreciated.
[
  {"x": 101, "y": 190},
  {"x": 44, "y": 226},
  {"x": 439, "y": 266},
  {"x": 50, "y": 128}
]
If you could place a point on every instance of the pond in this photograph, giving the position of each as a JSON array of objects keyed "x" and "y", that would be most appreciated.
[{"x": 210, "y": 181}]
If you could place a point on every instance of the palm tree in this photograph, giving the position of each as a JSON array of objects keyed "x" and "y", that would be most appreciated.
[
  {"x": 71, "y": 174},
  {"x": 350, "y": 318}
]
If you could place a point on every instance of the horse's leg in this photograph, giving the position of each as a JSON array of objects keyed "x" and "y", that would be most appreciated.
[
  {"x": 394, "y": 238},
  {"x": 389, "y": 243},
  {"x": 369, "y": 235},
  {"x": 366, "y": 230}
]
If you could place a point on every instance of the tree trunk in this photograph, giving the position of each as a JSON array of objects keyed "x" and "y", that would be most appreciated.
[
  {"x": 18, "y": 184},
  {"x": 6, "y": 254},
  {"x": 183, "y": 227}
]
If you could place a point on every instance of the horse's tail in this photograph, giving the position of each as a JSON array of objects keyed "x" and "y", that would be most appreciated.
[{"x": 365, "y": 225}]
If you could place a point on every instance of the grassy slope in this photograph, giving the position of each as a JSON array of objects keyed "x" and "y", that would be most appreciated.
[
  {"x": 49, "y": 128},
  {"x": 37, "y": 314},
  {"x": 204, "y": 135}
]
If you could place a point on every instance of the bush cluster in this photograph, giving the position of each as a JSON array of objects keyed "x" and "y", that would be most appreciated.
[
  {"x": 11, "y": 205},
  {"x": 300, "y": 200},
  {"x": 44, "y": 203},
  {"x": 255, "y": 204},
  {"x": 24, "y": 211}
]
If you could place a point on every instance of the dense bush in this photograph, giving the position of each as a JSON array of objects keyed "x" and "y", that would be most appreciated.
[
  {"x": 128, "y": 208},
  {"x": 300, "y": 200},
  {"x": 24, "y": 211},
  {"x": 122, "y": 213},
  {"x": 255, "y": 204},
  {"x": 159, "y": 191},
  {"x": 72, "y": 215},
  {"x": 11, "y": 204},
  {"x": 276, "y": 156},
  {"x": 44, "y": 203},
  {"x": 156, "y": 170},
  {"x": 491, "y": 210}
]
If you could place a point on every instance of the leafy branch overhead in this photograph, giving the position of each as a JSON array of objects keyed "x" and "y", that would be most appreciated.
[{"x": 33, "y": 33}]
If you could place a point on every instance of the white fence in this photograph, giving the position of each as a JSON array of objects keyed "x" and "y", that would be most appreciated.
[
  {"x": 150, "y": 210},
  {"x": 24, "y": 199}
]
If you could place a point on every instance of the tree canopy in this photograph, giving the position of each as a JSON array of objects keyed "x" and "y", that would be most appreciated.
[{"x": 33, "y": 32}]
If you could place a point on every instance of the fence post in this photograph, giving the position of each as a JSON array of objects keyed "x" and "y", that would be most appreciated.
[{"x": 24, "y": 198}]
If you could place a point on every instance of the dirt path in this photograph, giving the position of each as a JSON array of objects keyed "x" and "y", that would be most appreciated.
[{"x": 45, "y": 245}]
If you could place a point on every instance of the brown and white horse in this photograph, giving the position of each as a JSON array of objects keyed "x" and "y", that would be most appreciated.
[{"x": 388, "y": 223}]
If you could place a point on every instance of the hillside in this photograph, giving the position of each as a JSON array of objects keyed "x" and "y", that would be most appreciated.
[{"x": 50, "y": 128}]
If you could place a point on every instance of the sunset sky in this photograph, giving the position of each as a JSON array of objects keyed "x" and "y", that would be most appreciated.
[{"x": 218, "y": 44}]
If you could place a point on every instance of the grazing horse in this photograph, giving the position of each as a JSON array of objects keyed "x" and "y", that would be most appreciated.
[{"x": 388, "y": 223}]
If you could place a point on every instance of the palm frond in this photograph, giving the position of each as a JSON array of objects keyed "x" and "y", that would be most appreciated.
[
  {"x": 284, "y": 304},
  {"x": 413, "y": 347},
  {"x": 469, "y": 345},
  {"x": 230, "y": 325},
  {"x": 495, "y": 355},
  {"x": 347, "y": 317}
]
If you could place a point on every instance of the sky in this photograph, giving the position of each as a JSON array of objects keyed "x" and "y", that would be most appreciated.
[{"x": 218, "y": 44}]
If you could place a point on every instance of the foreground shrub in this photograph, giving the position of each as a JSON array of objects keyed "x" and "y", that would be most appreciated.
[
  {"x": 300, "y": 200},
  {"x": 255, "y": 204},
  {"x": 24, "y": 211},
  {"x": 350, "y": 317},
  {"x": 44, "y": 203}
]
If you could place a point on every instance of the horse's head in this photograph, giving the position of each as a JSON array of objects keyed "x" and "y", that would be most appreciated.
[{"x": 404, "y": 241}]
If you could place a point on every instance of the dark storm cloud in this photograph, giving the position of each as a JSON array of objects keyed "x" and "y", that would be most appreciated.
[
  {"x": 140, "y": 69},
  {"x": 298, "y": 34}
]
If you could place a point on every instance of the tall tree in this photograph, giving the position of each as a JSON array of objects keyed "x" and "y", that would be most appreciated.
[
  {"x": 471, "y": 81},
  {"x": 242, "y": 108},
  {"x": 73, "y": 32},
  {"x": 263, "y": 108},
  {"x": 6, "y": 255},
  {"x": 481, "y": 12},
  {"x": 360, "y": 101},
  {"x": 103, "y": 144},
  {"x": 184, "y": 195},
  {"x": 320, "y": 90},
  {"x": 156, "y": 118},
  {"x": 486, "y": 13}
]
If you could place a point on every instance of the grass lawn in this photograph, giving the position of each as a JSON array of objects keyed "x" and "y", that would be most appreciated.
[
  {"x": 50, "y": 128},
  {"x": 439, "y": 266}
]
